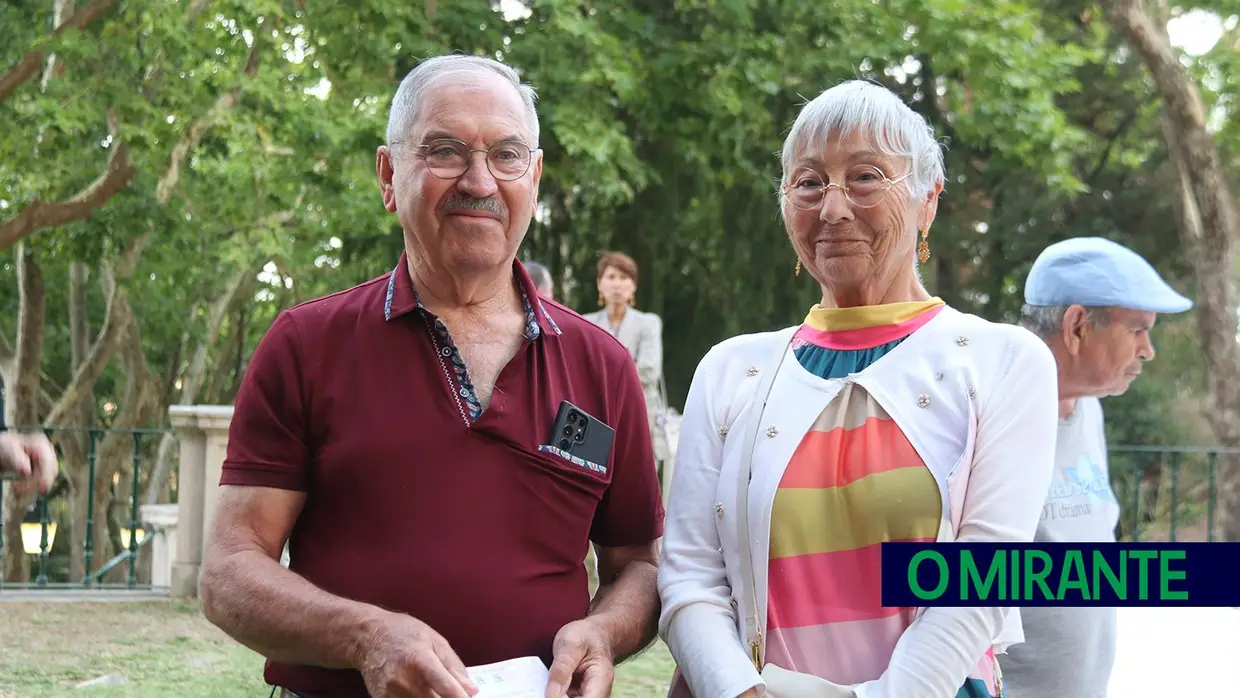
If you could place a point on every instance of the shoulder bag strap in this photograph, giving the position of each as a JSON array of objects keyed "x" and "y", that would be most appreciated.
[{"x": 762, "y": 394}]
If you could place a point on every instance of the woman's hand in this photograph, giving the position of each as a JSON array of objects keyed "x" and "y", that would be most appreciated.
[{"x": 751, "y": 693}]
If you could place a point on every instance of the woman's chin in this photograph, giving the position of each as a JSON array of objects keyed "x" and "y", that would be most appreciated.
[{"x": 844, "y": 269}]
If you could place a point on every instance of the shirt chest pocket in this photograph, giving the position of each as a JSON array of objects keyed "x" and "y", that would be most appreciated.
[{"x": 562, "y": 470}]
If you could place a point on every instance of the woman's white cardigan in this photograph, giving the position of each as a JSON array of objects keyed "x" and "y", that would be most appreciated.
[{"x": 979, "y": 403}]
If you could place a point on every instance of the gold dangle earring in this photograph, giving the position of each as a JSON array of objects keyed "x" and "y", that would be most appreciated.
[
  {"x": 600, "y": 300},
  {"x": 797, "y": 272},
  {"x": 923, "y": 247}
]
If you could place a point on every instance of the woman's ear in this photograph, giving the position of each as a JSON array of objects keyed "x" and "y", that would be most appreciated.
[{"x": 930, "y": 206}]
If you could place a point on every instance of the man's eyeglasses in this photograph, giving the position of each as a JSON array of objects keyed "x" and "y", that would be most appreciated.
[
  {"x": 864, "y": 186},
  {"x": 448, "y": 158}
]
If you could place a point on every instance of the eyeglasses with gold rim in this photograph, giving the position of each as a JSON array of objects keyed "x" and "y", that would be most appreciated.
[
  {"x": 864, "y": 187},
  {"x": 448, "y": 158}
]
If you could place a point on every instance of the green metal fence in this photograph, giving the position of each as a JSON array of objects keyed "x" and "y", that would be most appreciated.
[
  {"x": 1170, "y": 493},
  {"x": 1164, "y": 493},
  {"x": 44, "y": 574}
]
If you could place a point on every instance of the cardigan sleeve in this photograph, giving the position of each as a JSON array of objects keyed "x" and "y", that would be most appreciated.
[
  {"x": 697, "y": 621},
  {"x": 1011, "y": 475}
]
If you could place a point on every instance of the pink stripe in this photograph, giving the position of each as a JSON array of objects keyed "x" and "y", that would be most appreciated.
[
  {"x": 835, "y": 587},
  {"x": 844, "y": 653},
  {"x": 850, "y": 653},
  {"x": 865, "y": 337}
]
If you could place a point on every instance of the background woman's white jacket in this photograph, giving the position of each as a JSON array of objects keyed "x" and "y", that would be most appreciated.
[{"x": 979, "y": 403}]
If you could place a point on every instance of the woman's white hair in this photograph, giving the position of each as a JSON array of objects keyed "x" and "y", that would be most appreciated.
[
  {"x": 895, "y": 130},
  {"x": 409, "y": 96}
]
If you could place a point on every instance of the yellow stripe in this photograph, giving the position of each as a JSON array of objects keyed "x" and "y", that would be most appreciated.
[
  {"x": 894, "y": 505},
  {"x": 841, "y": 319}
]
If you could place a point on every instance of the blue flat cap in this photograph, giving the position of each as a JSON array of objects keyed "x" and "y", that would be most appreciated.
[{"x": 1095, "y": 272}]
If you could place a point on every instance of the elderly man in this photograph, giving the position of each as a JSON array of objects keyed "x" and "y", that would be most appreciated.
[
  {"x": 1093, "y": 302},
  {"x": 399, "y": 436},
  {"x": 542, "y": 279}
]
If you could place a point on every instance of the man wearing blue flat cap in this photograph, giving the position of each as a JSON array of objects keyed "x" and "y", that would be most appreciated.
[{"x": 1094, "y": 302}]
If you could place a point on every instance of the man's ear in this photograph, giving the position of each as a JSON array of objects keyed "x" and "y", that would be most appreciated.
[
  {"x": 386, "y": 171},
  {"x": 1074, "y": 328}
]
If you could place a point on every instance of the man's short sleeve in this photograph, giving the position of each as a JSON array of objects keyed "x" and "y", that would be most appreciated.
[
  {"x": 631, "y": 512},
  {"x": 267, "y": 440}
]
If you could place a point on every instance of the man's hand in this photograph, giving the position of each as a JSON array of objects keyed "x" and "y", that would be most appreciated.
[
  {"x": 583, "y": 663},
  {"x": 404, "y": 658},
  {"x": 31, "y": 457}
]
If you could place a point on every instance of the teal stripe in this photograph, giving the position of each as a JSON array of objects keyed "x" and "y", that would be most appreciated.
[
  {"x": 975, "y": 688},
  {"x": 837, "y": 363}
]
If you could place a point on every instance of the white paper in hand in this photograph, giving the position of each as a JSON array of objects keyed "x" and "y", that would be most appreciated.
[{"x": 525, "y": 677}]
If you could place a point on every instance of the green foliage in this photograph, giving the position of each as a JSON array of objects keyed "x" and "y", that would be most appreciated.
[{"x": 661, "y": 123}]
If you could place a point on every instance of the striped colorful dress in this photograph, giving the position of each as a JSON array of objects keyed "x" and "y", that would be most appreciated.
[{"x": 853, "y": 483}]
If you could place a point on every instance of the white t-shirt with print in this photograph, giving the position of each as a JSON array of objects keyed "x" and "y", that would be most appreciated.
[{"x": 1069, "y": 651}]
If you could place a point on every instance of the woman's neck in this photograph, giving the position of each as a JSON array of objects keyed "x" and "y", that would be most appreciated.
[
  {"x": 902, "y": 291},
  {"x": 615, "y": 313}
]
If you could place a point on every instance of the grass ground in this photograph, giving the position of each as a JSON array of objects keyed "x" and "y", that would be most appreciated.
[{"x": 166, "y": 648}]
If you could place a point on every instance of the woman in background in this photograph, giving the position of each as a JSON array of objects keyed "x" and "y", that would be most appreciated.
[{"x": 642, "y": 334}]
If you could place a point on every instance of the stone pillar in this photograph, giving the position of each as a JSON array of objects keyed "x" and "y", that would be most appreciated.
[
  {"x": 160, "y": 522},
  {"x": 202, "y": 431}
]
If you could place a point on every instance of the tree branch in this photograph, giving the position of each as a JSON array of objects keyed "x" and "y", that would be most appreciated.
[
  {"x": 23, "y": 387},
  {"x": 86, "y": 375},
  {"x": 39, "y": 215},
  {"x": 29, "y": 64},
  {"x": 195, "y": 376},
  {"x": 168, "y": 182}
]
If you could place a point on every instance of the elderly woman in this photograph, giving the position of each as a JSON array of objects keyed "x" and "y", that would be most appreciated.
[
  {"x": 640, "y": 332},
  {"x": 885, "y": 416}
]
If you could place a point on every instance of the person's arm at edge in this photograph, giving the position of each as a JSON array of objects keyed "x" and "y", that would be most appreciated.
[{"x": 649, "y": 353}]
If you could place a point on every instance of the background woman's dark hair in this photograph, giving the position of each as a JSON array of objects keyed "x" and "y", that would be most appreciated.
[{"x": 621, "y": 261}]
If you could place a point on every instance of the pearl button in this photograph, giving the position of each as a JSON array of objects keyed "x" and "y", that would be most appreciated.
[
  {"x": 923, "y": 400},
  {"x": 719, "y": 509},
  {"x": 962, "y": 341},
  {"x": 972, "y": 393},
  {"x": 771, "y": 432},
  {"x": 751, "y": 371},
  {"x": 938, "y": 376},
  {"x": 723, "y": 431}
]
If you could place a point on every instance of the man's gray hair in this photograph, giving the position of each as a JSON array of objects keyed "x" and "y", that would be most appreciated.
[
  {"x": 539, "y": 274},
  {"x": 895, "y": 130},
  {"x": 412, "y": 91},
  {"x": 1047, "y": 320}
]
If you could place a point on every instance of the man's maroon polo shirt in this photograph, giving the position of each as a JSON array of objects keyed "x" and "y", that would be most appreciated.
[{"x": 470, "y": 529}]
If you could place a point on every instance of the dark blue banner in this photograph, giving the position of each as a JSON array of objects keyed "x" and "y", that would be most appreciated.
[{"x": 1061, "y": 574}]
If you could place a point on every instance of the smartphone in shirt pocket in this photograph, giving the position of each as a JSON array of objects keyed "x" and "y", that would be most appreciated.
[{"x": 580, "y": 438}]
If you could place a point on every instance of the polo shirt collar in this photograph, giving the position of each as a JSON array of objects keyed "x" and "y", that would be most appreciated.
[{"x": 402, "y": 299}]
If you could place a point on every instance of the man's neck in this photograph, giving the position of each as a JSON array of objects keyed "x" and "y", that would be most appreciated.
[
  {"x": 445, "y": 293},
  {"x": 1069, "y": 389}
]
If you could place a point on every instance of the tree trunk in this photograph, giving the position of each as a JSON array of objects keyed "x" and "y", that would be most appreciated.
[
  {"x": 194, "y": 378},
  {"x": 75, "y": 442},
  {"x": 1210, "y": 238},
  {"x": 22, "y": 399}
]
